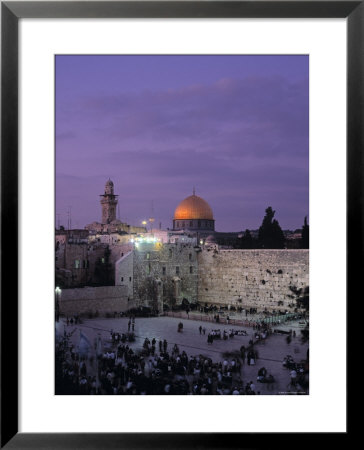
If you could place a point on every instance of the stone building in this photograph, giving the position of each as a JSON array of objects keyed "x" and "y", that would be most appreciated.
[
  {"x": 109, "y": 223},
  {"x": 82, "y": 259},
  {"x": 157, "y": 274},
  {"x": 108, "y": 203},
  {"x": 76, "y": 259}
]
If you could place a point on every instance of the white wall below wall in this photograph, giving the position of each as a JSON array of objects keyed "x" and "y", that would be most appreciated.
[{"x": 103, "y": 299}]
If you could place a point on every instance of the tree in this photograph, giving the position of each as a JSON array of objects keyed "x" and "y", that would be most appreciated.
[
  {"x": 303, "y": 299},
  {"x": 270, "y": 233},
  {"x": 305, "y": 235}
]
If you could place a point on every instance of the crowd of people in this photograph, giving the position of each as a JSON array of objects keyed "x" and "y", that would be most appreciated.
[
  {"x": 161, "y": 368},
  {"x": 126, "y": 372},
  {"x": 158, "y": 368}
]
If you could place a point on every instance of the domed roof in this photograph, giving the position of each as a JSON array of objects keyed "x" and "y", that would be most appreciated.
[
  {"x": 109, "y": 183},
  {"x": 193, "y": 207}
]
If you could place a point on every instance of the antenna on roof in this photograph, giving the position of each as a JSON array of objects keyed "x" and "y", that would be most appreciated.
[
  {"x": 69, "y": 218},
  {"x": 151, "y": 219},
  {"x": 194, "y": 190}
]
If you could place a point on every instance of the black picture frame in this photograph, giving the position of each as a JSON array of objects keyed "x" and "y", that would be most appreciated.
[{"x": 11, "y": 12}]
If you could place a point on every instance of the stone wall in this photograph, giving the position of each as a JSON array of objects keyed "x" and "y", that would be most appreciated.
[
  {"x": 155, "y": 274},
  {"x": 252, "y": 278},
  {"x": 105, "y": 299},
  {"x": 180, "y": 263},
  {"x": 162, "y": 273}
]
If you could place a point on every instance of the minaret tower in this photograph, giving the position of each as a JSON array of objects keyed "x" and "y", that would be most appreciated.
[{"x": 108, "y": 203}]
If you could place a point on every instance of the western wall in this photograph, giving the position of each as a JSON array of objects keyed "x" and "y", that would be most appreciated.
[
  {"x": 252, "y": 278},
  {"x": 156, "y": 274},
  {"x": 262, "y": 279}
]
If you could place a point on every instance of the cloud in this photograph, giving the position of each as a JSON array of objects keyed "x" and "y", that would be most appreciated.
[
  {"x": 239, "y": 141},
  {"x": 252, "y": 105}
]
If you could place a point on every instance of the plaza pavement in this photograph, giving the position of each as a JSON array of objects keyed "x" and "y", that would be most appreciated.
[{"x": 270, "y": 353}]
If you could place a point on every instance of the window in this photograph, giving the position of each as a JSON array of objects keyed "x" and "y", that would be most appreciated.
[
  {"x": 190, "y": 256},
  {"x": 177, "y": 270},
  {"x": 122, "y": 279},
  {"x": 148, "y": 255},
  {"x": 170, "y": 253},
  {"x": 103, "y": 260},
  {"x": 77, "y": 263},
  {"x": 129, "y": 278},
  {"x": 163, "y": 270},
  {"x": 191, "y": 223},
  {"x": 183, "y": 224},
  {"x": 191, "y": 269},
  {"x": 199, "y": 224}
]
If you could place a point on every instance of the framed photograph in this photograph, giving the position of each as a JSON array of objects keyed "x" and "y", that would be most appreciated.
[{"x": 177, "y": 177}]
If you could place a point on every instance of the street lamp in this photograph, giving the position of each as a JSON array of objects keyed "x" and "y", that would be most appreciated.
[{"x": 58, "y": 294}]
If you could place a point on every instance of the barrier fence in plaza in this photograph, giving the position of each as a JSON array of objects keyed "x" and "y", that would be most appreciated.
[
  {"x": 271, "y": 320},
  {"x": 208, "y": 318}
]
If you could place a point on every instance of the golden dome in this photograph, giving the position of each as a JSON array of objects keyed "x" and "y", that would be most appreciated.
[{"x": 193, "y": 207}]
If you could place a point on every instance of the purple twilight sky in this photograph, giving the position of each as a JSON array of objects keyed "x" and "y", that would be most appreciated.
[{"x": 235, "y": 127}]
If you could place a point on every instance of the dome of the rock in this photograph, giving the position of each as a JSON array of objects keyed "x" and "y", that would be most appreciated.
[
  {"x": 193, "y": 207},
  {"x": 193, "y": 213}
]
